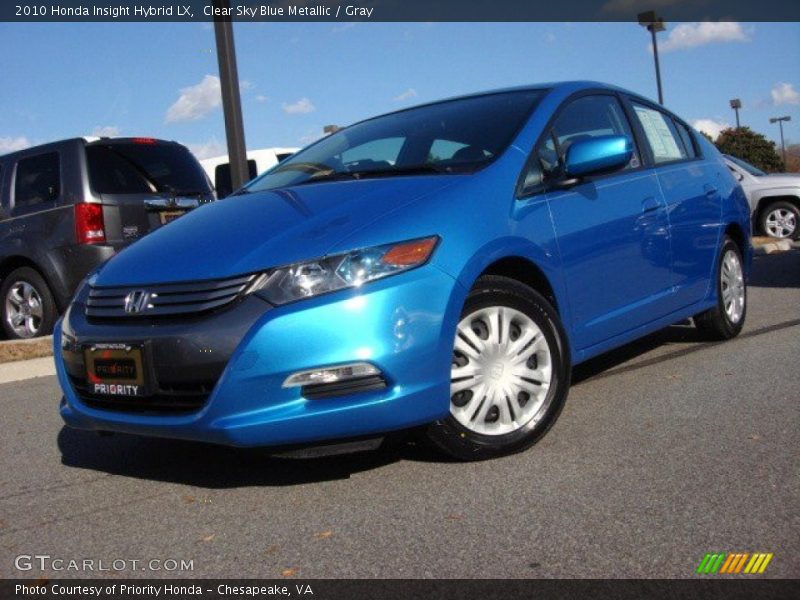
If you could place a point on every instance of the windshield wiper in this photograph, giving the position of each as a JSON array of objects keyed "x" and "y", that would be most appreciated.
[{"x": 428, "y": 169}]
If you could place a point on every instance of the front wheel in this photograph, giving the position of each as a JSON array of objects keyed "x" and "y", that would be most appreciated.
[
  {"x": 510, "y": 372},
  {"x": 726, "y": 319}
]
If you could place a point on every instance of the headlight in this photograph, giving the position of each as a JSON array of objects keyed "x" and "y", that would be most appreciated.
[{"x": 352, "y": 269}]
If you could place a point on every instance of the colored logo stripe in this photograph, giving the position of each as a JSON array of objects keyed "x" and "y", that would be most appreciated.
[{"x": 734, "y": 562}]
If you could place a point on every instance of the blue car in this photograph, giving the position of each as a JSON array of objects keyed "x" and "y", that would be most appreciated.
[{"x": 441, "y": 267}]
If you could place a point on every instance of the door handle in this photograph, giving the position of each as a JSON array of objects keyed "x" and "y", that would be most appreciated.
[{"x": 650, "y": 204}]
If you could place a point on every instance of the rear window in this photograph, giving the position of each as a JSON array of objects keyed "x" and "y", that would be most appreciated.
[
  {"x": 144, "y": 168},
  {"x": 37, "y": 180}
]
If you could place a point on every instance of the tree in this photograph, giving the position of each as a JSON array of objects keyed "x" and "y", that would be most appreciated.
[
  {"x": 751, "y": 147},
  {"x": 793, "y": 158}
]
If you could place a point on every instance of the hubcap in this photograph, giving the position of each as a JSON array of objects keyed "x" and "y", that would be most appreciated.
[
  {"x": 24, "y": 309},
  {"x": 732, "y": 280},
  {"x": 501, "y": 371},
  {"x": 781, "y": 223}
]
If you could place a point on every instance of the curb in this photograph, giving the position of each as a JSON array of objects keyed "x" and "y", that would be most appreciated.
[
  {"x": 760, "y": 249},
  {"x": 21, "y": 370}
]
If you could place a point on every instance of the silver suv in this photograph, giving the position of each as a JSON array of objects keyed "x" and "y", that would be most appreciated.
[{"x": 774, "y": 198}]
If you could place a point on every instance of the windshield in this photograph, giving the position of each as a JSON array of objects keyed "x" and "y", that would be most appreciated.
[
  {"x": 746, "y": 166},
  {"x": 144, "y": 168},
  {"x": 454, "y": 136}
]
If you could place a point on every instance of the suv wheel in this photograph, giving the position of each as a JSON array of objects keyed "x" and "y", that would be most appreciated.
[
  {"x": 28, "y": 309},
  {"x": 510, "y": 372},
  {"x": 726, "y": 319},
  {"x": 781, "y": 220}
]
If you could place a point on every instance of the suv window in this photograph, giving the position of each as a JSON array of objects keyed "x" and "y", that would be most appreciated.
[
  {"x": 583, "y": 118},
  {"x": 375, "y": 152},
  {"x": 37, "y": 180},
  {"x": 661, "y": 134},
  {"x": 143, "y": 168}
]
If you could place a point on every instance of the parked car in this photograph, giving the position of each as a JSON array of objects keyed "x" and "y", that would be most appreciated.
[
  {"x": 67, "y": 206},
  {"x": 774, "y": 198},
  {"x": 218, "y": 168},
  {"x": 443, "y": 266}
]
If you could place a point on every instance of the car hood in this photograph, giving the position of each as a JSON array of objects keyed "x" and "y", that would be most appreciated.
[{"x": 253, "y": 232}]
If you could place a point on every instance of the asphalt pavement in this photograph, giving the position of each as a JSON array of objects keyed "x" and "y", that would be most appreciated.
[{"x": 667, "y": 449}]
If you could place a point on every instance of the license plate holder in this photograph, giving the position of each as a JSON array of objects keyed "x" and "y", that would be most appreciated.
[{"x": 116, "y": 370}]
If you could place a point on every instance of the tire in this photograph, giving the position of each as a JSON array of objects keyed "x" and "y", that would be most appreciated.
[
  {"x": 726, "y": 319},
  {"x": 494, "y": 411},
  {"x": 27, "y": 307},
  {"x": 781, "y": 220}
]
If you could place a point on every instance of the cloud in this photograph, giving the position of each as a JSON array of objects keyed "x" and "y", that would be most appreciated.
[
  {"x": 310, "y": 137},
  {"x": 784, "y": 93},
  {"x": 407, "y": 95},
  {"x": 343, "y": 27},
  {"x": 261, "y": 98},
  {"x": 691, "y": 35},
  {"x": 710, "y": 127},
  {"x": 196, "y": 101},
  {"x": 12, "y": 144},
  {"x": 208, "y": 149},
  {"x": 106, "y": 131},
  {"x": 302, "y": 106}
]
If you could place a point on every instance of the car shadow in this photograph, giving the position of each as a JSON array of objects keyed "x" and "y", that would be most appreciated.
[
  {"x": 780, "y": 270},
  {"x": 218, "y": 467}
]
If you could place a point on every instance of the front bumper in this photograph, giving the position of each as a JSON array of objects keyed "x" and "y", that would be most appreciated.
[{"x": 401, "y": 325}]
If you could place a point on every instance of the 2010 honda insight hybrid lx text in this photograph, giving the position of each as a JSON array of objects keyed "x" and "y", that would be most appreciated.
[{"x": 441, "y": 266}]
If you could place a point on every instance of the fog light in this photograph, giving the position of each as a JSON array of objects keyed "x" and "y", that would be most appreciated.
[{"x": 331, "y": 374}]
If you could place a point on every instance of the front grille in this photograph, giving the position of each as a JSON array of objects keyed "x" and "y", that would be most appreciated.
[
  {"x": 170, "y": 399},
  {"x": 147, "y": 301}
]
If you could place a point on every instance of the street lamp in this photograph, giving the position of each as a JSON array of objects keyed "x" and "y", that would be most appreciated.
[
  {"x": 654, "y": 24},
  {"x": 736, "y": 104},
  {"x": 779, "y": 121}
]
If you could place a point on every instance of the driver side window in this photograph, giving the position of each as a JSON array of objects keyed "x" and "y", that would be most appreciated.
[{"x": 581, "y": 119}]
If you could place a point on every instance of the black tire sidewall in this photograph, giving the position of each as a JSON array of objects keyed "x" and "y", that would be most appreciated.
[
  {"x": 465, "y": 444},
  {"x": 774, "y": 206},
  {"x": 30, "y": 276}
]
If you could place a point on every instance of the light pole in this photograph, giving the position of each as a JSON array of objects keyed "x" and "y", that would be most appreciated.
[
  {"x": 779, "y": 121},
  {"x": 736, "y": 104},
  {"x": 231, "y": 100},
  {"x": 654, "y": 24}
]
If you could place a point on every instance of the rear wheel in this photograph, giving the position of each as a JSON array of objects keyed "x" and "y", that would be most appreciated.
[
  {"x": 28, "y": 309},
  {"x": 726, "y": 319},
  {"x": 781, "y": 220},
  {"x": 510, "y": 372}
]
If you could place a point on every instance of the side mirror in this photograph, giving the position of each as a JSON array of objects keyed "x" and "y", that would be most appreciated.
[{"x": 597, "y": 155}]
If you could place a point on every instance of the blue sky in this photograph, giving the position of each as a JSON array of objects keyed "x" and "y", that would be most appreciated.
[{"x": 62, "y": 80}]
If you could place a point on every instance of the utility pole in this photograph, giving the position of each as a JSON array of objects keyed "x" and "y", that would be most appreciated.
[
  {"x": 736, "y": 104},
  {"x": 231, "y": 100},
  {"x": 654, "y": 24},
  {"x": 779, "y": 121}
]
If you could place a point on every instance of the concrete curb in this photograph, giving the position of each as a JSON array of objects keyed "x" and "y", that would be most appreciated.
[
  {"x": 27, "y": 369},
  {"x": 773, "y": 247}
]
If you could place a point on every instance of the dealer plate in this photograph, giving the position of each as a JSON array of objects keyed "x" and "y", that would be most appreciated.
[{"x": 115, "y": 369}]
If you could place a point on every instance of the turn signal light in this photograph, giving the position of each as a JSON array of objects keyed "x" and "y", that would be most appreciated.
[{"x": 410, "y": 253}]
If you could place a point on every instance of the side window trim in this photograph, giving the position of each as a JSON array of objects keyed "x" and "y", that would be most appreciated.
[{"x": 520, "y": 194}]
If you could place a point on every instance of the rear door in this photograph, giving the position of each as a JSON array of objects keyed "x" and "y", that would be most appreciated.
[
  {"x": 143, "y": 184},
  {"x": 690, "y": 188},
  {"x": 612, "y": 230}
]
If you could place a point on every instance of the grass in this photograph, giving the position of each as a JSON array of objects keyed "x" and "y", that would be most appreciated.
[{"x": 11, "y": 351}]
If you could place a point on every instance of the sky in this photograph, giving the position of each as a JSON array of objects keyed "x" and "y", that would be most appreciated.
[{"x": 161, "y": 79}]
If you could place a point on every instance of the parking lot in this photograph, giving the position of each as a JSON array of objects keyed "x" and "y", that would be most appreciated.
[{"x": 667, "y": 449}]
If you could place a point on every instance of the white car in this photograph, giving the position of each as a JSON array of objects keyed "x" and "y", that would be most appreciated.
[
  {"x": 774, "y": 198},
  {"x": 218, "y": 168}
]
